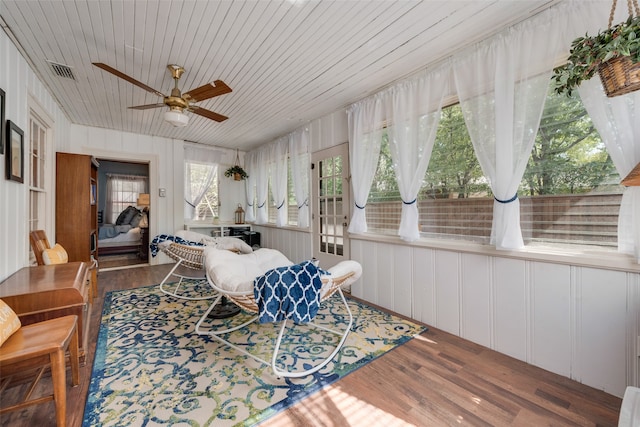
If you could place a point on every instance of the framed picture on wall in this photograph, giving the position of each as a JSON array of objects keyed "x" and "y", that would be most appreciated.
[
  {"x": 1, "y": 121},
  {"x": 15, "y": 152}
]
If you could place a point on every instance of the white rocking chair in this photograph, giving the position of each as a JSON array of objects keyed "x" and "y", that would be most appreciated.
[{"x": 232, "y": 276}]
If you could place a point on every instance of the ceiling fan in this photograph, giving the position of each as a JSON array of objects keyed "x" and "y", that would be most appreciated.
[{"x": 178, "y": 102}]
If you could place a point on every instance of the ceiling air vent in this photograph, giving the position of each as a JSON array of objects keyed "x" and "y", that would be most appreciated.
[{"x": 62, "y": 70}]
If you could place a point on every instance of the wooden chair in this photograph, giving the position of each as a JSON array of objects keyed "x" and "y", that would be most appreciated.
[
  {"x": 27, "y": 347},
  {"x": 39, "y": 243}
]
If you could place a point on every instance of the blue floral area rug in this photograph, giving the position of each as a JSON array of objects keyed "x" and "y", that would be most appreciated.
[{"x": 151, "y": 368}]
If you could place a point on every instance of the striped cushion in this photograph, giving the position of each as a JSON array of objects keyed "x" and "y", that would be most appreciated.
[
  {"x": 55, "y": 255},
  {"x": 9, "y": 322}
]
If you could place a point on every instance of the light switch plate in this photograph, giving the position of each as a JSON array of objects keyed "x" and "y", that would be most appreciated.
[{"x": 162, "y": 192}]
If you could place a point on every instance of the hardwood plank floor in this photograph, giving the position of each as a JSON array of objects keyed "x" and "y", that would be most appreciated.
[{"x": 437, "y": 379}]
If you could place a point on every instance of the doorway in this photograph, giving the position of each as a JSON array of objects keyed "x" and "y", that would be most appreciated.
[
  {"x": 331, "y": 195},
  {"x": 124, "y": 245}
]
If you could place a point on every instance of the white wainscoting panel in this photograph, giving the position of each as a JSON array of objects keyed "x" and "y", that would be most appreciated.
[
  {"x": 294, "y": 244},
  {"x": 385, "y": 274},
  {"x": 424, "y": 289},
  {"x": 400, "y": 282},
  {"x": 510, "y": 334},
  {"x": 447, "y": 291},
  {"x": 477, "y": 304},
  {"x": 601, "y": 317},
  {"x": 551, "y": 308}
]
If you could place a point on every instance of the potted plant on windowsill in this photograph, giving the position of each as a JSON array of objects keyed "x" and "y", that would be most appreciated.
[
  {"x": 236, "y": 172},
  {"x": 614, "y": 53}
]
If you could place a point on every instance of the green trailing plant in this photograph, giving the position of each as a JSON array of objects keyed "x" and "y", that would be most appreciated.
[
  {"x": 236, "y": 169},
  {"x": 589, "y": 52}
]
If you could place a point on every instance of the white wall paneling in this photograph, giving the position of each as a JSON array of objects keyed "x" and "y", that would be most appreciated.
[
  {"x": 509, "y": 330},
  {"x": 600, "y": 341},
  {"x": 576, "y": 321},
  {"x": 476, "y": 299},
  {"x": 294, "y": 244},
  {"x": 424, "y": 303},
  {"x": 550, "y": 317},
  {"x": 22, "y": 88}
]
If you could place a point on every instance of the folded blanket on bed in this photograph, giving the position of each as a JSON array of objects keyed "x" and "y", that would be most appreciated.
[
  {"x": 291, "y": 292},
  {"x": 107, "y": 231}
]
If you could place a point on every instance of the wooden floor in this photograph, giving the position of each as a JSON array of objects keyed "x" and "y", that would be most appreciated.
[{"x": 436, "y": 379}]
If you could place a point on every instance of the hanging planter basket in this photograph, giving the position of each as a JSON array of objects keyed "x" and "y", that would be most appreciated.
[
  {"x": 236, "y": 171},
  {"x": 619, "y": 76},
  {"x": 613, "y": 53}
]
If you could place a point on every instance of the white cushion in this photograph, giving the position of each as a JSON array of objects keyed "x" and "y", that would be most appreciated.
[
  {"x": 236, "y": 272},
  {"x": 229, "y": 243}
]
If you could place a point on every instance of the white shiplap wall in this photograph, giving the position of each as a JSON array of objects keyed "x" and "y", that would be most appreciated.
[{"x": 23, "y": 91}]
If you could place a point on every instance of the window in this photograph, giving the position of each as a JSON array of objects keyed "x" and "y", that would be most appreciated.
[
  {"x": 569, "y": 193},
  {"x": 201, "y": 191},
  {"x": 122, "y": 191},
  {"x": 37, "y": 189},
  {"x": 292, "y": 206},
  {"x": 292, "y": 211}
]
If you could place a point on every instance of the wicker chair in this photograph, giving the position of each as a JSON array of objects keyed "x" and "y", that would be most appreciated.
[
  {"x": 220, "y": 267},
  {"x": 191, "y": 257}
]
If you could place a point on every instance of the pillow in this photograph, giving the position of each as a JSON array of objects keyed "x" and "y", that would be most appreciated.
[
  {"x": 9, "y": 322},
  {"x": 55, "y": 255},
  {"x": 135, "y": 221},
  {"x": 126, "y": 215}
]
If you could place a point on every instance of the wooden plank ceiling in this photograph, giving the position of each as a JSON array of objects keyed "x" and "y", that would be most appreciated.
[{"x": 287, "y": 61}]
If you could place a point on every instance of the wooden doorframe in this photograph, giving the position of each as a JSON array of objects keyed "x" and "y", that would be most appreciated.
[{"x": 340, "y": 220}]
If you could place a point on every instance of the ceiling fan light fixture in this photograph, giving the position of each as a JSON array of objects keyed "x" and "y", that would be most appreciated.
[{"x": 176, "y": 118}]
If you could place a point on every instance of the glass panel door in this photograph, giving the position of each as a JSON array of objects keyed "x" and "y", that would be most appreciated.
[{"x": 331, "y": 207}]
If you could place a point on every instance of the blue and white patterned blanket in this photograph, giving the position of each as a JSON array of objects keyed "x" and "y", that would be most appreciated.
[
  {"x": 153, "y": 246},
  {"x": 291, "y": 293}
]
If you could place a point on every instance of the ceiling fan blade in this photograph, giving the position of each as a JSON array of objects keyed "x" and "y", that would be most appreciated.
[
  {"x": 207, "y": 91},
  {"x": 127, "y": 78},
  {"x": 147, "y": 107},
  {"x": 207, "y": 113}
]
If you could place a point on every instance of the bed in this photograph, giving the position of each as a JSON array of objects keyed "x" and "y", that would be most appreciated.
[{"x": 125, "y": 235}]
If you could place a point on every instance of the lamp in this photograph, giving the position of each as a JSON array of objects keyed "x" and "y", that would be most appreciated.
[
  {"x": 176, "y": 118},
  {"x": 143, "y": 200}
]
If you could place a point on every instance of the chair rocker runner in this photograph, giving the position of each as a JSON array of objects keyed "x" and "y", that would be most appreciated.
[{"x": 220, "y": 267}]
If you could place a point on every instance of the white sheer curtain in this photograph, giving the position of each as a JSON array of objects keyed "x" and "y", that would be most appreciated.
[
  {"x": 200, "y": 170},
  {"x": 299, "y": 155},
  {"x": 122, "y": 191},
  {"x": 412, "y": 110},
  {"x": 250, "y": 186},
  {"x": 618, "y": 123},
  {"x": 502, "y": 85},
  {"x": 262, "y": 184},
  {"x": 365, "y": 119},
  {"x": 278, "y": 172}
]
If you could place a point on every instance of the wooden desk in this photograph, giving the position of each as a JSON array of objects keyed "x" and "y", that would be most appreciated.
[{"x": 49, "y": 291}]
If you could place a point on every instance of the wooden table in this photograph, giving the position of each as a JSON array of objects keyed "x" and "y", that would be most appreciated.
[{"x": 48, "y": 291}]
